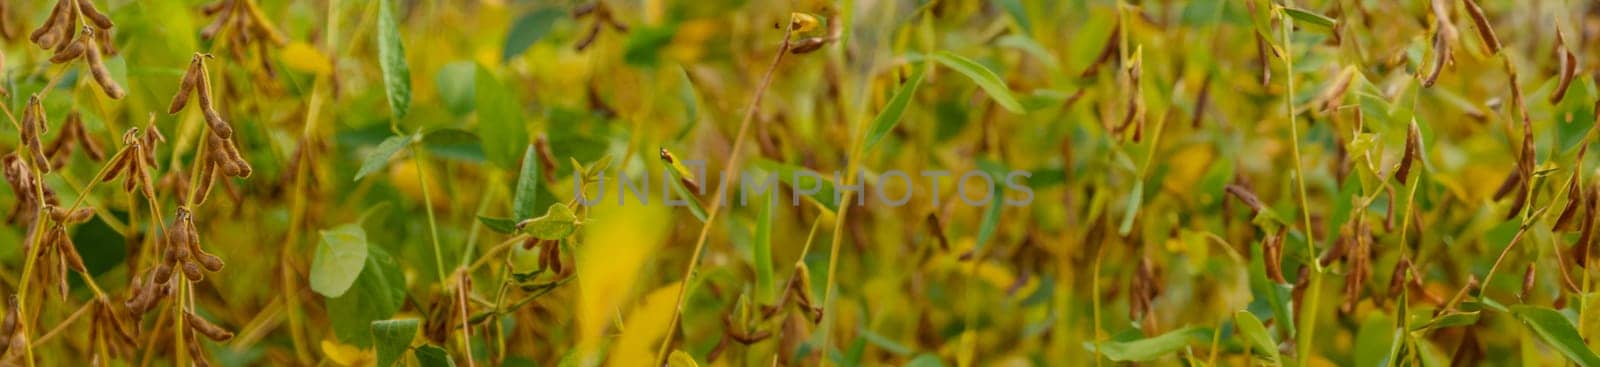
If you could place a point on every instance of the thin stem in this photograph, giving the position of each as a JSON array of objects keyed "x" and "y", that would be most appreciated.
[
  {"x": 716, "y": 201},
  {"x": 427, "y": 205}
]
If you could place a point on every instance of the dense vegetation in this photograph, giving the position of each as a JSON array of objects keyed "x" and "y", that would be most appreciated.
[{"x": 428, "y": 182}]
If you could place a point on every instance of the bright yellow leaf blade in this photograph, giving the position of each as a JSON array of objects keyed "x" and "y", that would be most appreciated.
[
  {"x": 646, "y": 324},
  {"x": 618, "y": 241},
  {"x": 302, "y": 57}
]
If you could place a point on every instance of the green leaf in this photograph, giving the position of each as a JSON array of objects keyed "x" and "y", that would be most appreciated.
[
  {"x": 502, "y": 225},
  {"x": 392, "y": 338},
  {"x": 678, "y": 171},
  {"x": 1255, "y": 334},
  {"x": 454, "y": 83},
  {"x": 376, "y": 295},
  {"x": 763, "y": 250},
  {"x": 991, "y": 214},
  {"x": 890, "y": 116},
  {"x": 499, "y": 121},
  {"x": 431, "y": 356},
  {"x": 557, "y": 222},
  {"x": 1449, "y": 320},
  {"x": 340, "y": 257},
  {"x": 792, "y": 176},
  {"x": 1148, "y": 349},
  {"x": 645, "y": 44},
  {"x": 1309, "y": 17},
  {"x": 1277, "y": 295},
  {"x": 1135, "y": 199},
  {"x": 925, "y": 360},
  {"x": 527, "y": 194},
  {"x": 529, "y": 28},
  {"x": 985, "y": 78},
  {"x": 100, "y": 245},
  {"x": 380, "y": 156},
  {"x": 1374, "y": 340},
  {"x": 454, "y": 144},
  {"x": 392, "y": 58},
  {"x": 1558, "y": 332},
  {"x": 888, "y": 345},
  {"x": 1019, "y": 13}
]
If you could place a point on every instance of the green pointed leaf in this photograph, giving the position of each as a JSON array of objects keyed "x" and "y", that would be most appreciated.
[
  {"x": 379, "y": 157},
  {"x": 527, "y": 194},
  {"x": 925, "y": 360},
  {"x": 1149, "y": 349},
  {"x": 529, "y": 28},
  {"x": 501, "y": 225},
  {"x": 392, "y": 338},
  {"x": 339, "y": 259},
  {"x": 1135, "y": 199},
  {"x": 1557, "y": 332},
  {"x": 557, "y": 222},
  {"x": 985, "y": 78},
  {"x": 800, "y": 178},
  {"x": 991, "y": 214},
  {"x": 1449, "y": 320},
  {"x": 392, "y": 59},
  {"x": 1309, "y": 17},
  {"x": 890, "y": 116},
  {"x": 431, "y": 356},
  {"x": 1256, "y": 336},
  {"x": 500, "y": 120}
]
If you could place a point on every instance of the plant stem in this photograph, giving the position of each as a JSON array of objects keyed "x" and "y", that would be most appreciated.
[
  {"x": 1308, "y": 316},
  {"x": 716, "y": 201}
]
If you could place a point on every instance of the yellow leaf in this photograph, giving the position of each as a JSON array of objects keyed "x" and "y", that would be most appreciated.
[
  {"x": 617, "y": 243},
  {"x": 646, "y": 324},
  {"x": 302, "y": 57},
  {"x": 347, "y": 355},
  {"x": 681, "y": 359}
]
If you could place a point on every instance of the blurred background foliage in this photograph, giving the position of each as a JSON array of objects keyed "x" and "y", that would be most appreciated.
[{"x": 1148, "y": 128}]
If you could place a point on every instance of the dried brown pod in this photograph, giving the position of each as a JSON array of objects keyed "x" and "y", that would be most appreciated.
[
  {"x": 808, "y": 44},
  {"x": 206, "y": 328},
  {"x": 1272, "y": 255},
  {"x": 1582, "y": 250},
  {"x": 97, "y": 68},
  {"x": 69, "y": 251},
  {"x": 191, "y": 78},
  {"x": 57, "y": 27},
  {"x": 1512, "y": 181},
  {"x": 1444, "y": 34},
  {"x": 602, "y": 17},
  {"x": 72, "y": 52},
  {"x": 34, "y": 126},
  {"x": 937, "y": 227},
  {"x": 1485, "y": 31},
  {"x": 100, "y": 20},
  {"x": 1200, "y": 102},
  {"x": 1569, "y": 66},
  {"x": 1244, "y": 195},
  {"x": 1528, "y": 278},
  {"x": 1359, "y": 261},
  {"x": 210, "y": 262},
  {"x": 1334, "y": 93},
  {"x": 1107, "y": 52},
  {"x": 1575, "y": 198},
  {"x": 1397, "y": 279},
  {"x": 1412, "y": 153}
]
